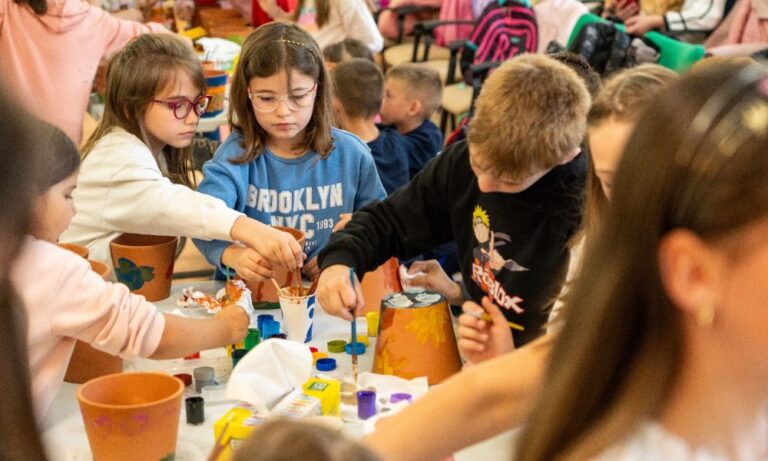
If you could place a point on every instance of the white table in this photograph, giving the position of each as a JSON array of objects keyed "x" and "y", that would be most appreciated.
[{"x": 64, "y": 433}]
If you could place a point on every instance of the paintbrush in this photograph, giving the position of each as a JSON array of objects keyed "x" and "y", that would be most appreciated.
[
  {"x": 218, "y": 447},
  {"x": 353, "y": 342},
  {"x": 277, "y": 285},
  {"x": 485, "y": 316}
]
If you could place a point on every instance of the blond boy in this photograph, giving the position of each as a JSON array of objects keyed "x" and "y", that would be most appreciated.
[
  {"x": 510, "y": 196},
  {"x": 412, "y": 93}
]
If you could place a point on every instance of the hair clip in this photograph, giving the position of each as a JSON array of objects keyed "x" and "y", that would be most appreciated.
[{"x": 294, "y": 42}]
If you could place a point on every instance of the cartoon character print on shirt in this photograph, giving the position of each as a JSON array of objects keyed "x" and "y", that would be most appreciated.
[{"x": 487, "y": 261}]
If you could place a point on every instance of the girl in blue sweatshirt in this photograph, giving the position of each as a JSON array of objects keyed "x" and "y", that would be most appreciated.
[{"x": 284, "y": 164}]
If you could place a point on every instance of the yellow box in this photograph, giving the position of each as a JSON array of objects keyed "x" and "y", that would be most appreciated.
[
  {"x": 329, "y": 393},
  {"x": 237, "y": 424}
]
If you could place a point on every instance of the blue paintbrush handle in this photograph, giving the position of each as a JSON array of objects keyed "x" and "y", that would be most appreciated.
[{"x": 354, "y": 320}]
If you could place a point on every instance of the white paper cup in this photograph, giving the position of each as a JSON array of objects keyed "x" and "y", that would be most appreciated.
[{"x": 298, "y": 315}]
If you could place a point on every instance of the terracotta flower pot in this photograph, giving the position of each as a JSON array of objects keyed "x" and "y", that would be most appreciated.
[
  {"x": 416, "y": 338},
  {"x": 132, "y": 416},
  {"x": 216, "y": 83},
  {"x": 265, "y": 292},
  {"x": 77, "y": 249},
  {"x": 379, "y": 283},
  {"x": 86, "y": 362},
  {"x": 144, "y": 263}
]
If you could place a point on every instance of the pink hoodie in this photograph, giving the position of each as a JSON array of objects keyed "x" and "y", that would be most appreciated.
[{"x": 49, "y": 61}]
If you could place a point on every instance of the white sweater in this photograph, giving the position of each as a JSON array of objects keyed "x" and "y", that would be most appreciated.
[
  {"x": 696, "y": 15},
  {"x": 121, "y": 188},
  {"x": 346, "y": 19}
]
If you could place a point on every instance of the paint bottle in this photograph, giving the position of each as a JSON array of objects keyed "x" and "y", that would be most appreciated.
[
  {"x": 260, "y": 323},
  {"x": 253, "y": 338},
  {"x": 195, "y": 410},
  {"x": 204, "y": 376},
  {"x": 366, "y": 404},
  {"x": 238, "y": 354}
]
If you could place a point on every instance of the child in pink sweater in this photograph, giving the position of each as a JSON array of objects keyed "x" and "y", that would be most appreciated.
[
  {"x": 49, "y": 52},
  {"x": 65, "y": 300}
]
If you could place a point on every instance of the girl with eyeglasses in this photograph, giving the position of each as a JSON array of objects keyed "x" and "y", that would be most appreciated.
[
  {"x": 284, "y": 164},
  {"x": 136, "y": 176}
]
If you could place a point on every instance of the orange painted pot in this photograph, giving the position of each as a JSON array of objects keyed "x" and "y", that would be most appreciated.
[
  {"x": 144, "y": 263},
  {"x": 379, "y": 283},
  {"x": 86, "y": 362},
  {"x": 265, "y": 292},
  {"x": 416, "y": 337},
  {"x": 131, "y": 416},
  {"x": 77, "y": 249},
  {"x": 216, "y": 84}
]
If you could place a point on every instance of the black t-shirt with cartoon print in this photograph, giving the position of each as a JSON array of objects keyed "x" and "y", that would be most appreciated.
[{"x": 512, "y": 247}]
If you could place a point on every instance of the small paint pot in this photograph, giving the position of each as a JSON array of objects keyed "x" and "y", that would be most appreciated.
[
  {"x": 318, "y": 355},
  {"x": 204, "y": 376},
  {"x": 252, "y": 339},
  {"x": 326, "y": 364},
  {"x": 372, "y": 322},
  {"x": 359, "y": 348},
  {"x": 312, "y": 349},
  {"x": 366, "y": 404},
  {"x": 336, "y": 346},
  {"x": 185, "y": 378},
  {"x": 195, "y": 408},
  {"x": 238, "y": 354},
  {"x": 260, "y": 322},
  {"x": 270, "y": 328}
]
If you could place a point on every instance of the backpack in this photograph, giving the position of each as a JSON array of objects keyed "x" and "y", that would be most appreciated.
[
  {"x": 608, "y": 49},
  {"x": 505, "y": 29}
]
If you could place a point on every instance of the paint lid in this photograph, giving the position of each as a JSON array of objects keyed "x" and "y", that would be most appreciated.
[
  {"x": 359, "y": 348},
  {"x": 185, "y": 378},
  {"x": 326, "y": 364},
  {"x": 337, "y": 345},
  {"x": 318, "y": 355},
  {"x": 399, "y": 397},
  {"x": 312, "y": 349},
  {"x": 204, "y": 373}
]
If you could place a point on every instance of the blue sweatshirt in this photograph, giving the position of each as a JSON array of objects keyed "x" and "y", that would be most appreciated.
[
  {"x": 306, "y": 193},
  {"x": 390, "y": 152}
]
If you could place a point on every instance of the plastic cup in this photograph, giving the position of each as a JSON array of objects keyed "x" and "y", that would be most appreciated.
[{"x": 298, "y": 314}]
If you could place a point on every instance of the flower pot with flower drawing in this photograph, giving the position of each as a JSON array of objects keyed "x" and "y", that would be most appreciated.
[
  {"x": 144, "y": 263},
  {"x": 416, "y": 337}
]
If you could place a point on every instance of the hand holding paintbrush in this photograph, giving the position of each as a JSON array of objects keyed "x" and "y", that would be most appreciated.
[{"x": 484, "y": 332}]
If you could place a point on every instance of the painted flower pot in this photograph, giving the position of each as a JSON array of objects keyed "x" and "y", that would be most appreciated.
[
  {"x": 131, "y": 416},
  {"x": 215, "y": 83},
  {"x": 144, "y": 263},
  {"x": 264, "y": 294},
  {"x": 416, "y": 337}
]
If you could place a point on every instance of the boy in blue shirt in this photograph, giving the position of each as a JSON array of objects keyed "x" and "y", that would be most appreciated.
[
  {"x": 412, "y": 93},
  {"x": 359, "y": 88}
]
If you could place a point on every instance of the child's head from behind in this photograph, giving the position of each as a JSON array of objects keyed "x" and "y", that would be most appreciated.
[
  {"x": 349, "y": 48},
  {"x": 284, "y": 439},
  {"x": 412, "y": 92},
  {"x": 358, "y": 89},
  {"x": 155, "y": 91},
  {"x": 614, "y": 113},
  {"x": 280, "y": 96},
  {"x": 530, "y": 117},
  {"x": 54, "y": 183}
]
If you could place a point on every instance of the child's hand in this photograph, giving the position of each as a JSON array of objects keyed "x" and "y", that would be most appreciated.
[
  {"x": 236, "y": 322},
  {"x": 480, "y": 340},
  {"x": 640, "y": 24},
  {"x": 336, "y": 295},
  {"x": 625, "y": 9},
  {"x": 248, "y": 264},
  {"x": 433, "y": 277},
  {"x": 277, "y": 247},
  {"x": 344, "y": 218},
  {"x": 311, "y": 269}
]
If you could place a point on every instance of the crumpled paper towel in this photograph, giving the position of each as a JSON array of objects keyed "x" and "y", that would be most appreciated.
[{"x": 270, "y": 371}]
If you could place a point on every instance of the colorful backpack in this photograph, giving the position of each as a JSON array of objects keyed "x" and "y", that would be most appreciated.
[{"x": 505, "y": 29}]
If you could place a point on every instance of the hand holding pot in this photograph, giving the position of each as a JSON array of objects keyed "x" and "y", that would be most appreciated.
[
  {"x": 430, "y": 275},
  {"x": 277, "y": 247},
  {"x": 247, "y": 262}
]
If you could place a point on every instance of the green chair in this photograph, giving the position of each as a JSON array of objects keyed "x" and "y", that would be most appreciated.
[{"x": 673, "y": 54}]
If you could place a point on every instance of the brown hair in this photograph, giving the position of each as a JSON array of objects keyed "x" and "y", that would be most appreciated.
[
  {"x": 61, "y": 159},
  {"x": 423, "y": 82},
  {"x": 530, "y": 114},
  {"x": 346, "y": 49},
  {"x": 619, "y": 352},
  {"x": 323, "y": 11},
  {"x": 272, "y": 48},
  {"x": 359, "y": 86},
  {"x": 582, "y": 69},
  {"x": 136, "y": 74},
  {"x": 287, "y": 440},
  {"x": 19, "y": 147}
]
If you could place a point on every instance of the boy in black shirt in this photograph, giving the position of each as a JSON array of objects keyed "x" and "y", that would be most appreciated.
[{"x": 510, "y": 196}]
